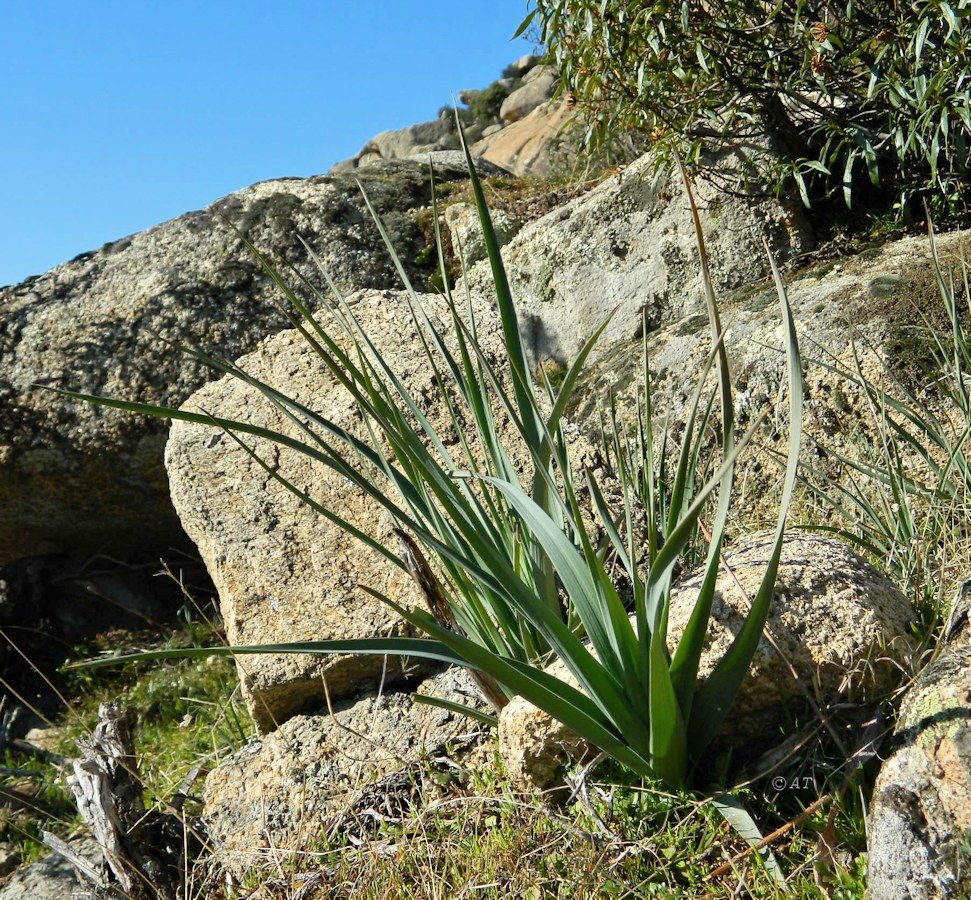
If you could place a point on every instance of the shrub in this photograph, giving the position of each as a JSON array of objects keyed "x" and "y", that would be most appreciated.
[
  {"x": 849, "y": 92},
  {"x": 486, "y": 104}
]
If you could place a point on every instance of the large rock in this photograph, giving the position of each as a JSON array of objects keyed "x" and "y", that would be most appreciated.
[
  {"x": 920, "y": 818},
  {"x": 871, "y": 310},
  {"x": 540, "y": 144},
  {"x": 325, "y": 773},
  {"x": 841, "y": 624},
  {"x": 74, "y": 476},
  {"x": 426, "y": 137},
  {"x": 450, "y": 160},
  {"x": 463, "y": 223},
  {"x": 537, "y": 87},
  {"x": 282, "y": 571},
  {"x": 419, "y": 143},
  {"x": 521, "y": 66},
  {"x": 630, "y": 243}
]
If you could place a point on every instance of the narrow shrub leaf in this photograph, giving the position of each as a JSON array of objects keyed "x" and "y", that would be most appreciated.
[
  {"x": 732, "y": 811},
  {"x": 459, "y": 708}
]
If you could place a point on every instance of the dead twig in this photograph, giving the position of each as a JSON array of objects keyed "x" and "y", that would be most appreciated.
[{"x": 771, "y": 838}]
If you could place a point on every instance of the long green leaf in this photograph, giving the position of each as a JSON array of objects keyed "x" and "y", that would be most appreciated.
[
  {"x": 566, "y": 704},
  {"x": 461, "y": 709},
  {"x": 423, "y": 648},
  {"x": 739, "y": 818},
  {"x": 684, "y": 667},
  {"x": 601, "y": 611},
  {"x": 715, "y": 697}
]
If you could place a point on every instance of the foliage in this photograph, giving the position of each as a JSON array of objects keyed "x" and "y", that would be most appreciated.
[
  {"x": 849, "y": 92},
  {"x": 188, "y": 714},
  {"x": 486, "y": 103},
  {"x": 518, "y": 579}
]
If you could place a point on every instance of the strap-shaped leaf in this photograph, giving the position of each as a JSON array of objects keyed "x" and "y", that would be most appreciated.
[
  {"x": 715, "y": 696},
  {"x": 423, "y": 648}
]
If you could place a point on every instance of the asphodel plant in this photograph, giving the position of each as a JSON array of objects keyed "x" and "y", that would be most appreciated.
[
  {"x": 908, "y": 496},
  {"x": 513, "y": 578}
]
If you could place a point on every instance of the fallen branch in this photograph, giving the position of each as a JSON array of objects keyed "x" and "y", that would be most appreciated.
[
  {"x": 144, "y": 850},
  {"x": 81, "y": 865}
]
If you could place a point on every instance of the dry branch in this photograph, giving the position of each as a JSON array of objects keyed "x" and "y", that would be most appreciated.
[{"x": 143, "y": 850}]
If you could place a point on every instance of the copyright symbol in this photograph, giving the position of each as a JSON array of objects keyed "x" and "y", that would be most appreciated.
[{"x": 778, "y": 783}]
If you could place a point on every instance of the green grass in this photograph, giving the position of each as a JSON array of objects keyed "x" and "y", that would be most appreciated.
[
  {"x": 188, "y": 714},
  {"x": 619, "y": 838},
  {"x": 899, "y": 486}
]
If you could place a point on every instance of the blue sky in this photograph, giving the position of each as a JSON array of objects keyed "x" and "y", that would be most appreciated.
[{"x": 115, "y": 116}]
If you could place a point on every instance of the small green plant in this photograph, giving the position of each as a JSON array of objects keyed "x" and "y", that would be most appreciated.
[
  {"x": 906, "y": 498},
  {"x": 517, "y": 580},
  {"x": 188, "y": 713}
]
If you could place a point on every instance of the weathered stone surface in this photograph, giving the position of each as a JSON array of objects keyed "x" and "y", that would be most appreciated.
[
  {"x": 282, "y": 571},
  {"x": 439, "y": 134},
  {"x": 537, "y": 144},
  {"x": 448, "y": 160},
  {"x": 313, "y": 774},
  {"x": 537, "y": 87},
  {"x": 53, "y": 877},
  {"x": 522, "y": 65},
  {"x": 76, "y": 476},
  {"x": 840, "y": 623},
  {"x": 840, "y": 319},
  {"x": 535, "y": 747},
  {"x": 462, "y": 220},
  {"x": 920, "y": 818},
  {"x": 437, "y": 140},
  {"x": 631, "y": 244}
]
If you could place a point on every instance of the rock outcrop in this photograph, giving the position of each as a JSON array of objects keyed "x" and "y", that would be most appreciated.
[
  {"x": 862, "y": 308},
  {"x": 630, "y": 244},
  {"x": 283, "y": 572},
  {"x": 536, "y": 88},
  {"x": 540, "y": 144},
  {"x": 463, "y": 223},
  {"x": 920, "y": 817},
  {"x": 413, "y": 142},
  {"x": 77, "y": 477},
  {"x": 841, "y": 625},
  {"x": 521, "y": 66},
  {"x": 528, "y": 134},
  {"x": 324, "y": 773}
]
